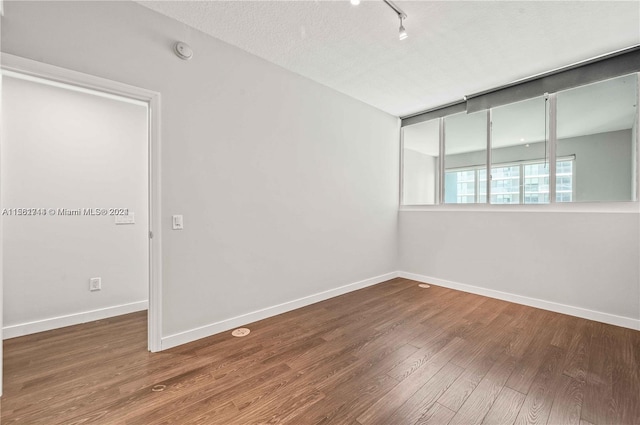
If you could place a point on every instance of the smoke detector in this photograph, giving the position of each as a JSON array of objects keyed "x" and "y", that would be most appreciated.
[{"x": 183, "y": 50}]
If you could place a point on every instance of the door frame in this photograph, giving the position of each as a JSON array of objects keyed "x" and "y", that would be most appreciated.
[{"x": 62, "y": 75}]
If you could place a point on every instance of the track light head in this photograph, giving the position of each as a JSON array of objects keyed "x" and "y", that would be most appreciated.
[{"x": 402, "y": 31}]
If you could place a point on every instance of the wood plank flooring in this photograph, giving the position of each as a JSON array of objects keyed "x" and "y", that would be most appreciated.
[{"x": 389, "y": 354}]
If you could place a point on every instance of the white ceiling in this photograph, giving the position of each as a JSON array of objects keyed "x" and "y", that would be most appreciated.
[{"x": 454, "y": 48}]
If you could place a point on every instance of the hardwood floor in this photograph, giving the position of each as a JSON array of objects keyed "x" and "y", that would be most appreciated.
[{"x": 389, "y": 354}]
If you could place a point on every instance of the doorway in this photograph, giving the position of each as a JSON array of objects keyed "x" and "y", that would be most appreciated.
[{"x": 80, "y": 199}]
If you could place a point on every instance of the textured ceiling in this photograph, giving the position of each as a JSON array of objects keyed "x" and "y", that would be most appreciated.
[{"x": 454, "y": 48}]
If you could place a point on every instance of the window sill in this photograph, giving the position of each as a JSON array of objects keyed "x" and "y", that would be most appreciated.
[{"x": 578, "y": 207}]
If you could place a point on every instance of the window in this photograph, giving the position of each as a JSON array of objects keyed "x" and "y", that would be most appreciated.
[
  {"x": 420, "y": 163},
  {"x": 465, "y": 148},
  {"x": 461, "y": 187},
  {"x": 505, "y": 184},
  {"x": 597, "y": 123},
  {"x": 519, "y": 136},
  {"x": 518, "y": 183},
  {"x": 536, "y": 183},
  {"x": 588, "y": 133},
  {"x": 564, "y": 181}
]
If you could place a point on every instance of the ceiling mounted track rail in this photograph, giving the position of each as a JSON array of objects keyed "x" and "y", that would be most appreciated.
[{"x": 396, "y": 9}]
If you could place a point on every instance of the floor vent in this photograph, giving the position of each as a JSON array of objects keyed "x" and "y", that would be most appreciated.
[{"x": 240, "y": 332}]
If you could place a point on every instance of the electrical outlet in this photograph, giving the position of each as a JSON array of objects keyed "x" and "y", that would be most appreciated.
[{"x": 95, "y": 284}]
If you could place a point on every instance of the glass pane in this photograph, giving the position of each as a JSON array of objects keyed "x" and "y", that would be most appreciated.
[
  {"x": 564, "y": 181},
  {"x": 536, "y": 183},
  {"x": 464, "y": 183},
  {"x": 519, "y": 153},
  {"x": 597, "y": 126},
  {"x": 482, "y": 186},
  {"x": 420, "y": 171},
  {"x": 505, "y": 185},
  {"x": 465, "y": 158}
]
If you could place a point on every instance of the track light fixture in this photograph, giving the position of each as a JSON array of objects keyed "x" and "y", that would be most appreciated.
[{"x": 402, "y": 31}]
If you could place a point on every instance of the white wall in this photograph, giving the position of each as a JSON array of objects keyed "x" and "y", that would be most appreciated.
[
  {"x": 65, "y": 149},
  {"x": 585, "y": 260},
  {"x": 287, "y": 188}
]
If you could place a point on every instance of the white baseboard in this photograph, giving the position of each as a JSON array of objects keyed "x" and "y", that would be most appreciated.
[
  {"x": 234, "y": 322},
  {"x": 612, "y": 319},
  {"x": 23, "y": 329}
]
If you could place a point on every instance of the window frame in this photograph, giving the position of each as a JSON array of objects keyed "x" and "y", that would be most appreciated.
[{"x": 573, "y": 206}]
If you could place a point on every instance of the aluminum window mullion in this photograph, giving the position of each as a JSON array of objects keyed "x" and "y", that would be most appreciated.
[
  {"x": 553, "y": 127},
  {"x": 489, "y": 131},
  {"x": 401, "y": 194},
  {"x": 441, "y": 171},
  {"x": 521, "y": 183},
  {"x": 636, "y": 193}
]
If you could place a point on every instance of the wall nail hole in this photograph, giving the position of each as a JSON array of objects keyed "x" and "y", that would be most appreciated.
[
  {"x": 240, "y": 332},
  {"x": 424, "y": 285},
  {"x": 158, "y": 388}
]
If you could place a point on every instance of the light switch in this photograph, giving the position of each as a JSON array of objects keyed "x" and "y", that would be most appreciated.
[
  {"x": 177, "y": 222},
  {"x": 126, "y": 219}
]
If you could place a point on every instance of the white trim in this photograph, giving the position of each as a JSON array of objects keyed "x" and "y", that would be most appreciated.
[
  {"x": 612, "y": 319},
  {"x": 29, "y": 328},
  {"x": 155, "y": 227},
  {"x": 78, "y": 79},
  {"x": 1, "y": 257},
  {"x": 234, "y": 322},
  {"x": 54, "y": 83},
  {"x": 74, "y": 78}
]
